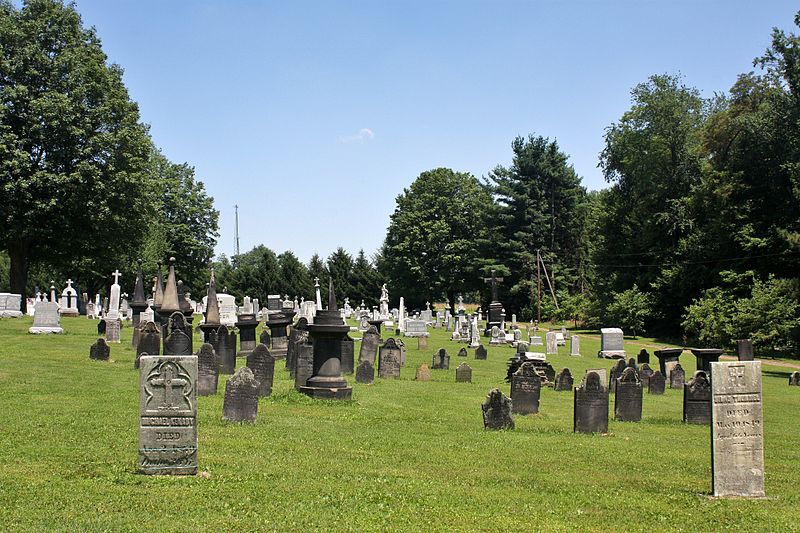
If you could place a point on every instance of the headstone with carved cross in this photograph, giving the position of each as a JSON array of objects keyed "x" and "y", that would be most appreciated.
[
  {"x": 168, "y": 415},
  {"x": 494, "y": 316}
]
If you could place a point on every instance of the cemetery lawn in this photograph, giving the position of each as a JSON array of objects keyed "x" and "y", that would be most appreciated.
[{"x": 402, "y": 456}]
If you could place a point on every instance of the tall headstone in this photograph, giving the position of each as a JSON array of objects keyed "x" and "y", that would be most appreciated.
[
  {"x": 590, "y": 414},
  {"x": 551, "y": 342},
  {"x": 526, "y": 387},
  {"x": 677, "y": 377},
  {"x": 241, "y": 397},
  {"x": 100, "y": 351},
  {"x": 168, "y": 415},
  {"x": 389, "y": 360},
  {"x": 497, "y": 411},
  {"x": 149, "y": 341},
  {"x": 744, "y": 349},
  {"x": 563, "y": 381},
  {"x": 616, "y": 371},
  {"x": 737, "y": 438},
  {"x": 304, "y": 364},
  {"x": 575, "y": 346},
  {"x": 348, "y": 354},
  {"x": 628, "y": 397},
  {"x": 261, "y": 362},
  {"x": 611, "y": 344},
  {"x": 365, "y": 373},
  {"x": 463, "y": 373},
  {"x": 224, "y": 344},
  {"x": 370, "y": 342},
  {"x": 697, "y": 399},
  {"x": 207, "y": 370},
  {"x": 657, "y": 383}
]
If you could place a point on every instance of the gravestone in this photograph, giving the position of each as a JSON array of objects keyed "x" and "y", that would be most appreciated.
[
  {"x": 101, "y": 327},
  {"x": 462, "y": 352},
  {"x": 463, "y": 373},
  {"x": 369, "y": 345},
  {"x": 179, "y": 340},
  {"x": 348, "y": 354},
  {"x": 602, "y": 372},
  {"x": 224, "y": 344},
  {"x": 563, "y": 381},
  {"x": 365, "y": 373},
  {"x": 10, "y": 305},
  {"x": 644, "y": 374},
  {"x": 423, "y": 373},
  {"x": 737, "y": 438},
  {"x": 497, "y": 411},
  {"x": 590, "y": 413},
  {"x": 100, "y": 350},
  {"x": 113, "y": 326},
  {"x": 575, "y": 346},
  {"x": 552, "y": 343},
  {"x": 526, "y": 387},
  {"x": 168, "y": 415},
  {"x": 697, "y": 399},
  {"x": 744, "y": 349},
  {"x": 612, "y": 345},
  {"x": 261, "y": 362},
  {"x": 415, "y": 328},
  {"x": 46, "y": 318},
  {"x": 207, "y": 370},
  {"x": 549, "y": 372},
  {"x": 616, "y": 371},
  {"x": 632, "y": 364},
  {"x": 677, "y": 377},
  {"x": 441, "y": 360},
  {"x": 643, "y": 357},
  {"x": 536, "y": 340},
  {"x": 422, "y": 343},
  {"x": 264, "y": 338},
  {"x": 628, "y": 397},
  {"x": 657, "y": 383},
  {"x": 480, "y": 353},
  {"x": 241, "y": 397},
  {"x": 304, "y": 364},
  {"x": 389, "y": 360},
  {"x": 402, "y": 346},
  {"x": 149, "y": 341},
  {"x": 794, "y": 379}
]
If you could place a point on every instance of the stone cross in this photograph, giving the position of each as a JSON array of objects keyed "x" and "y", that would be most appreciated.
[
  {"x": 493, "y": 280},
  {"x": 168, "y": 380},
  {"x": 116, "y": 275}
]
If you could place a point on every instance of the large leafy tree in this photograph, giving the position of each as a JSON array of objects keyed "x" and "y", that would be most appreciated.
[
  {"x": 294, "y": 278},
  {"x": 73, "y": 154},
  {"x": 366, "y": 281},
  {"x": 340, "y": 269},
  {"x": 435, "y": 241}
]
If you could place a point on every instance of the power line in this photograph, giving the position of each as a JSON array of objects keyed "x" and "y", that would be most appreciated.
[{"x": 708, "y": 261}]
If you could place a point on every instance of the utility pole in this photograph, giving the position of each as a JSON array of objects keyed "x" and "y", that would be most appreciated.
[
  {"x": 236, "y": 232},
  {"x": 538, "y": 288}
]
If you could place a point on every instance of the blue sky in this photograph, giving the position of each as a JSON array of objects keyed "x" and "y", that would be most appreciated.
[{"x": 314, "y": 116}]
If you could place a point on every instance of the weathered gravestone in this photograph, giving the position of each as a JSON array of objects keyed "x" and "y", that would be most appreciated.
[
  {"x": 602, "y": 372},
  {"x": 389, "y": 360},
  {"x": 365, "y": 373},
  {"x": 643, "y": 357},
  {"x": 737, "y": 438},
  {"x": 616, "y": 371},
  {"x": 101, "y": 327},
  {"x": 575, "y": 346},
  {"x": 462, "y": 352},
  {"x": 697, "y": 400},
  {"x": 10, "y": 305},
  {"x": 463, "y": 373},
  {"x": 224, "y": 344},
  {"x": 113, "y": 327},
  {"x": 644, "y": 375},
  {"x": 261, "y": 362},
  {"x": 677, "y": 377},
  {"x": 422, "y": 343},
  {"x": 563, "y": 381},
  {"x": 480, "y": 353},
  {"x": 590, "y": 414},
  {"x": 369, "y": 345},
  {"x": 304, "y": 364},
  {"x": 241, "y": 397},
  {"x": 100, "y": 350},
  {"x": 612, "y": 345},
  {"x": 794, "y": 379},
  {"x": 178, "y": 341},
  {"x": 207, "y": 370},
  {"x": 168, "y": 415},
  {"x": 744, "y": 349},
  {"x": 628, "y": 397},
  {"x": 549, "y": 372},
  {"x": 441, "y": 361},
  {"x": 264, "y": 338},
  {"x": 149, "y": 341},
  {"x": 551, "y": 342},
  {"x": 46, "y": 318},
  {"x": 657, "y": 383},
  {"x": 497, "y": 411},
  {"x": 526, "y": 387},
  {"x": 632, "y": 364},
  {"x": 348, "y": 354},
  {"x": 423, "y": 373}
]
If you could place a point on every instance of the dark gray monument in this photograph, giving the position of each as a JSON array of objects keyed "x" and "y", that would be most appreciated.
[
  {"x": 100, "y": 350},
  {"x": 304, "y": 364},
  {"x": 526, "y": 387},
  {"x": 697, "y": 400},
  {"x": 615, "y": 372},
  {"x": 149, "y": 341},
  {"x": 665, "y": 356},
  {"x": 463, "y": 373},
  {"x": 643, "y": 357},
  {"x": 644, "y": 375},
  {"x": 241, "y": 397},
  {"x": 657, "y": 383},
  {"x": 737, "y": 429},
  {"x": 365, "y": 373},
  {"x": 462, "y": 352},
  {"x": 628, "y": 397},
  {"x": 706, "y": 356},
  {"x": 677, "y": 377},
  {"x": 168, "y": 415},
  {"x": 266, "y": 339},
  {"x": 261, "y": 362},
  {"x": 370, "y": 342},
  {"x": 278, "y": 324},
  {"x": 246, "y": 323},
  {"x": 480, "y": 353},
  {"x": 441, "y": 361},
  {"x": 348, "y": 354},
  {"x": 298, "y": 336},
  {"x": 564, "y": 381},
  {"x": 494, "y": 317},
  {"x": 224, "y": 343},
  {"x": 744, "y": 349},
  {"x": 389, "y": 360},
  {"x": 207, "y": 370},
  {"x": 138, "y": 304},
  {"x": 497, "y": 411},
  {"x": 178, "y": 341},
  {"x": 590, "y": 413}
]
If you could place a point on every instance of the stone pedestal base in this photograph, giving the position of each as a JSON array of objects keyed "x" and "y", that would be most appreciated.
[
  {"x": 345, "y": 393},
  {"x": 69, "y": 312},
  {"x": 10, "y": 314},
  {"x": 611, "y": 354},
  {"x": 43, "y": 330}
]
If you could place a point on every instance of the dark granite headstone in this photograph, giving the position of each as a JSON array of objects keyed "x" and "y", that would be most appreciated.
[
  {"x": 370, "y": 342},
  {"x": 179, "y": 337},
  {"x": 207, "y": 370},
  {"x": 261, "y": 362},
  {"x": 365, "y": 373},
  {"x": 224, "y": 344},
  {"x": 389, "y": 360},
  {"x": 615, "y": 372},
  {"x": 744, "y": 349},
  {"x": 657, "y": 383},
  {"x": 643, "y": 357},
  {"x": 462, "y": 352},
  {"x": 441, "y": 361},
  {"x": 348, "y": 354},
  {"x": 480, "y": 353},
  {"x": 677, "y": 377},
  {"x": 497, "y": 411},
  {"x": 264, "y": 338},
  {"x": 526, "y": 387},
  {"x": 590, "y": 413},
  {"x": 100, "y": 350},
  {"x": 628, "y": 398},
  {"x": 549, "y": 372},
  {"x": 101, "y": 327},
  {"x": 697, "y": 399},
  {"x": 304, "y": 364},
  {"x": 463, "y": 373},
  {"x": 241, "y": 397},
  {"x": 794, "y": 379},
  {"x": 632, "y": 364},
  {"x": 564, "y": 381},
  {"x": 149, "y": 341},
  {"x": 644, "y": 375}
]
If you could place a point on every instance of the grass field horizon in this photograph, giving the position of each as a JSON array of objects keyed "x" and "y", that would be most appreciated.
[{"x": 402, "y": 455}]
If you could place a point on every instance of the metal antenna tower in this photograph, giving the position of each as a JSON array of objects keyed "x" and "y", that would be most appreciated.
[{"x": 236, "y": 232}]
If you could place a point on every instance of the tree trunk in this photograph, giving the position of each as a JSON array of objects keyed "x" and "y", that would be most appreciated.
[{"x": 18, "y": 253}]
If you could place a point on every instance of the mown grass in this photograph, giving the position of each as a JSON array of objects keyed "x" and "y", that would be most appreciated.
[{"x": 402, "y": 456}]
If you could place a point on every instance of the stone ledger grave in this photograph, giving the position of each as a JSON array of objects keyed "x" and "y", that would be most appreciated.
[
  {"x": 737, "y": 438},
  {"x": 168, "y": 415}
]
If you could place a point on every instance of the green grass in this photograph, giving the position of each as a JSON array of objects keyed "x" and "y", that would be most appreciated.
[{"x": 402, "y": 456}]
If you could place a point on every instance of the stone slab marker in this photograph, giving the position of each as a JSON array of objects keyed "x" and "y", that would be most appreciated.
[
  {"x": 370, "y": 342},
  {"x": 737, "y": 438},
  {"x": 628, "y": 397},
  {"x": 677, "y": 377},
  {"x": 697, "y": 400},
  {"x": 261, "y": 362},
  {"x": 463, "y": 373},
  {"x": 497, "y": 411},
  {"x": 241, "y": 397},
  {"x": 441, "y": 360},
  {"x": 422, "y": 343},
  {"x": 389, "y": 360},
  {"x": 304, "y": 365},
  {"x": 575, "y": 346},
  {"x": 590, "y": 413},
  {"x": 794, "y": 379},
  {"x": 149, "y": 341},
  {"x": 657, "y": 383},
  {"x": 526, "y": 387},
  {"x": 348, "y": 354},
  {"x": 551, "y": 347},
  {"x": 112, "y": 329},
  {"x": 644, "y": 375},
  {"x": 616, "y": 372},
  {"x": 744, "y": 349},
  {"x": 207, "y": 370},
  {"x": 563, "y": 381},
  {"x": 365, "y": 373},
  {"x": 100, "y": 351},
  {"x": 480, "y": 353},
  {"x": 168, "y": 414}
]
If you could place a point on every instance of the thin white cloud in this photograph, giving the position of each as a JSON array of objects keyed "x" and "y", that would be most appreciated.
[{"x": 364, "y": 134}]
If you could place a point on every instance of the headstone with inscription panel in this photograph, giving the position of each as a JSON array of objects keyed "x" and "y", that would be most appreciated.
[
  {"x": 389, "y": 360},
  {"x": 590, "y": 414},
  {"x": 463, "y": 373},
  {"x": 628, "y": 397},
  {"x": 207, "y": 370},
  {"x": 657, "y": 383},
  {"x": 526, "y": 388},
  {"x": 697, "y": 399},
  {"x": 677, "y": 377},
  {"x": 563, "y": 381},
  {"x": 261, "y": 362}
]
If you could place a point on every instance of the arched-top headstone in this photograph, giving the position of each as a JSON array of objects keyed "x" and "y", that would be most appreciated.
[
  {"x": 177, "y": 343},
  {"x": 389, "y": 360},
  {"x": 100, "y": 350},
  {"x": 564, "y": 381},
  {"x": 644, "y": 374},
  {"x": 462, "y": 352},
  {"x": 628, "y": 398},
  {"x": 526, "y": 387},
  {"x": 616, "y": 371},
  {"x": 697, "y": 399},
  {"x": 657, "y": 383},
  {"x": 677, "y": 377},
  {"x": 241, "y": 397},
  {"x": 261, "y": 362},
  {"x": 365, "y": 372},
  {"x": 463, "y": 373},
  {"x": 480, "y": 353},
  {"x": 497, "y": 411},
  {"x": 207, "y": 370},
  {"x": 591, "y": 406},
  {"x": 423, "y": 373},
  {"x": 149, "y": 341},
  {"x": 441, "y": 360},
  {"x": 369, "y": 345}
]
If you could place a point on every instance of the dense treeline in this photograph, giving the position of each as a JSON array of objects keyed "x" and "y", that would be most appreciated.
[{"x": 698, "y": 234}]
